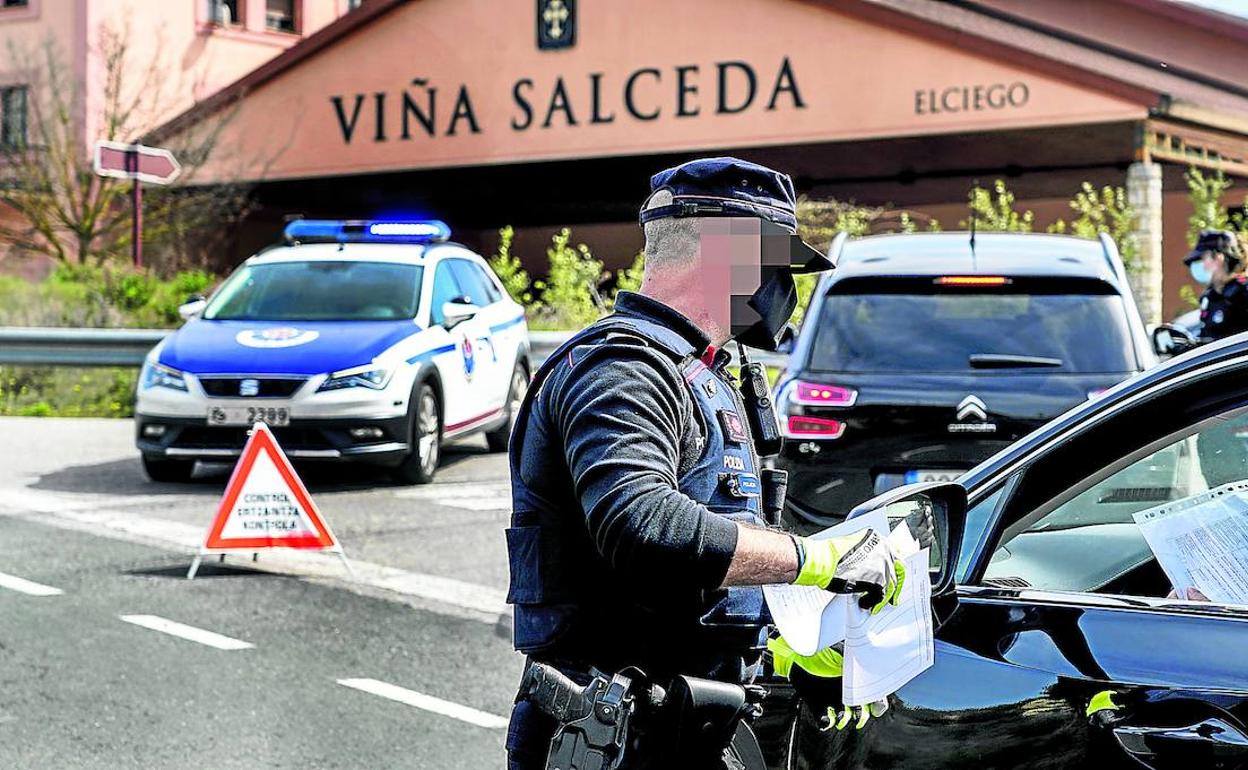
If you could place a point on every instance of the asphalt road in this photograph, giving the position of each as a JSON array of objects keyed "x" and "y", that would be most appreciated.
[{"x": 406, "y": 665}]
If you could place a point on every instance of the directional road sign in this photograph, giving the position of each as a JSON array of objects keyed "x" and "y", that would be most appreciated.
[{"x": 135, "y": 161}]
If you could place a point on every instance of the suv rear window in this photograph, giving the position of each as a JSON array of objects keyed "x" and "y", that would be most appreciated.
[{"x": 904, "y": 325}]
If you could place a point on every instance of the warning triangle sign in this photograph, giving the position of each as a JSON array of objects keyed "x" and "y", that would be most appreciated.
[{"x": 266, "y": 505}]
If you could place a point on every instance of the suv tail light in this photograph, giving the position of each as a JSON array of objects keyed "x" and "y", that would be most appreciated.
[
  {"x": 801, "y": 426},
  {"x": 816, "y": 394}
]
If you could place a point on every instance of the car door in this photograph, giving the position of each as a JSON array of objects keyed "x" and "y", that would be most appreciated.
[
  {"x": 1060, "y": 600},
  {"x": 493, "y": 364},
  {"x": 447, "y": 352}
]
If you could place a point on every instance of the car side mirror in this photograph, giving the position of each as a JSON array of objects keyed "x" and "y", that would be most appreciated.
[
  {"x": 456, "y": 312},
  {"x": 193, "y": 307},
  {"x": 1171, "y": 340},
  {"x": 787, "y": 338},
  {"x": 946, "y": 503}
]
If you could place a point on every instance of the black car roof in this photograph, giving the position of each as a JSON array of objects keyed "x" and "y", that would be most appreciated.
[{"x": 949, "y": 253}]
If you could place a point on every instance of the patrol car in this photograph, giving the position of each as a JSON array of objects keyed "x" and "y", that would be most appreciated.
[{"x": 363, "y": 341}]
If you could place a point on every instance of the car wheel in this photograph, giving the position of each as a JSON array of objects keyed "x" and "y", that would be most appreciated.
[
  {"x": 497, "y": 439},
  {"x": 421, "y": 464},
  {"x": 173, "y": 471}
]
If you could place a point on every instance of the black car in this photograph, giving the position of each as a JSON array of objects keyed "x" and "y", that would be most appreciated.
[
  {"x": 923, "y": 354},
  {"x": 1046, "y": 594}
]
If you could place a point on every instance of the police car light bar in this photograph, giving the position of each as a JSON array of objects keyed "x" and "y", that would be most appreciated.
[{"x": 365, "y": 231}]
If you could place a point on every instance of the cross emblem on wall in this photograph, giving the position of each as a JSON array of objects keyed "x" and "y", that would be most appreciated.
[
  {"x": 556, "y": 24},
  {"x": 555, "y": 15}
]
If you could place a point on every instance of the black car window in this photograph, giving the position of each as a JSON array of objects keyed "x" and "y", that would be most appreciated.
[
  {"x": 873, "y": 328},
  {"x": 1084, "y": 535},
  {"x": 473, "y": 281},
  {"x": 445, "y": 289}
]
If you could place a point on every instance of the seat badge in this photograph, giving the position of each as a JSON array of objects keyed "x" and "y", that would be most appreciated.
[{"x": 734, "y": 429}]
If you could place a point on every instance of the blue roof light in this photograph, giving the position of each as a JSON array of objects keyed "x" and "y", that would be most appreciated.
[{"x": 365, "y": 231}]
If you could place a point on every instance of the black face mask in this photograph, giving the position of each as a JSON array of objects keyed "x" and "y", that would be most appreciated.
[{"x": 774, "y": 303}]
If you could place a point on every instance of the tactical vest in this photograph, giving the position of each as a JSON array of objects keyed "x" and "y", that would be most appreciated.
[{"x": 568, "y": 604}]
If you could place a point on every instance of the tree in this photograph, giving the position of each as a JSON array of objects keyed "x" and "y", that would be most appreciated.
[{"x": 67, "y": 213}]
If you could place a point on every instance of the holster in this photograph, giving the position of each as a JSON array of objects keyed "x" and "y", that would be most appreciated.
[{"x": 689, "y": 724}]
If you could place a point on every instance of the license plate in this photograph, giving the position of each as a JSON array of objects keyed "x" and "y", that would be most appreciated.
[
  {"x": 248, "y": 415},
  {"x": 914, "y": 477}
]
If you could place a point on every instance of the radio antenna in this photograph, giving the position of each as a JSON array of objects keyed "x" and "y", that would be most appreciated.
[{"x": 974, "y": 264}]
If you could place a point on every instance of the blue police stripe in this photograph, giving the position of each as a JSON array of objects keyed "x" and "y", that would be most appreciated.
[
  {"x": 428, "y": 354},
  {"x": 507, "y": 324}
]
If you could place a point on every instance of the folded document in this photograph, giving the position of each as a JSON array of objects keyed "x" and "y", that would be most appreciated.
[{"x": 882, "y": 651}]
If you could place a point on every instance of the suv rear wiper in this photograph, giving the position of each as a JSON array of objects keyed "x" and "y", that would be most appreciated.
[{"x": 1003, "y": 361}]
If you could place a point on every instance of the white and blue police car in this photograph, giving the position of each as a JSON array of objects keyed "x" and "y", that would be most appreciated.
[{"x": 365, "y": 341}]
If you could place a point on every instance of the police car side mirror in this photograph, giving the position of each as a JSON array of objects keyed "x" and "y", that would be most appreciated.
[
  {"x": 192, "y": 308},
  {"x": 1170, "y": 340},
  {"x": 455, "y": 313},
  {"x": 943, "y": 504}
]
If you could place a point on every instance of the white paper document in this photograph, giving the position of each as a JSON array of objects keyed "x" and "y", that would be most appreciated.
[
  {"x": 810, "y": 618},
  {"x": 1202, "y": 542},
  {"x": 882, "y": 652}
]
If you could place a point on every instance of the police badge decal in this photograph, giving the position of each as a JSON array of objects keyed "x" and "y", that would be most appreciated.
[{"x": 556, "y": 24}]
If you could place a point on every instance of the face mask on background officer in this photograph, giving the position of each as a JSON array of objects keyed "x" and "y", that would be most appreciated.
[{"x": 1224, "y": 305}]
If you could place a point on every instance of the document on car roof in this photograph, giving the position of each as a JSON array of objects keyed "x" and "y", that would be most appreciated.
[
  {"x": 883, "y": 651},
  {"x": 1202, "y": 542}
]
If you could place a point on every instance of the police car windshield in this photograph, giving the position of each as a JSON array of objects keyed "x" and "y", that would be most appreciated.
[
  {"x": 963, "y": 331},
  {"x": 318, "y": 291}
]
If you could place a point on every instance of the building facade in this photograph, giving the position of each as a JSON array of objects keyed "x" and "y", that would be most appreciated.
[{"x": 555, "y": 112}]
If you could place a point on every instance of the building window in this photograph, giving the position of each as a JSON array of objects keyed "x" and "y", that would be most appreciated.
[
  {"x": 226, "y": 13},
  {"x": 14, "y": 3},
  {"x": 13, "y": 116},
  {"x": 280, "y": 15}
]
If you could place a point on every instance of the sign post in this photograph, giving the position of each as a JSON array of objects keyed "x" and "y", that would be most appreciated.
[{"x": 139, "y": 163}]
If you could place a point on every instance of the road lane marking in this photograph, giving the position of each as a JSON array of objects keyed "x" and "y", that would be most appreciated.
[
  {"x": 435, "y": 593},
  {"x": 426, "y": 702},
  {"x": 15, "y": 583},
  {"x": 157, "y": 623}
]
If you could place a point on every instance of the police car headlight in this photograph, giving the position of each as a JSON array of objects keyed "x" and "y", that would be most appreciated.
[
  {"x": 157, "y": 376},
  {"x": 370, "y": 376}
]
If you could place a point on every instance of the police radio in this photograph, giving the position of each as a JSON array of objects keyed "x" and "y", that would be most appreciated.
[{"x": 760, "y": 410}]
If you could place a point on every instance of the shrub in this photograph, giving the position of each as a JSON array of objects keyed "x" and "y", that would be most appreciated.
[{"x": 508, "y": 269}]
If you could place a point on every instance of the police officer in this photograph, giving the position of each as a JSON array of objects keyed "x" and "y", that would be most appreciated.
[
  {"x": 1224, "y": 305},
  {"x": 636, "y": 537}
]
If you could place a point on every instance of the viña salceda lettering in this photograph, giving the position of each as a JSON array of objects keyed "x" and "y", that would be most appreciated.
[{"x": 646, "y": 94}]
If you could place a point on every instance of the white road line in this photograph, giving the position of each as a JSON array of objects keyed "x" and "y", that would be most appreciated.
[
  {"x": 435, "y": 593},
  {"x": 427, "y": 702},
  {"x": 15, "y": 583},
  {"x": 192, "y": 633}
]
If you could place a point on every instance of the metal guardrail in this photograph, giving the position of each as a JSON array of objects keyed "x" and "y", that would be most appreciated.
[
  {"x": 128, "y": 347},
  {"x": 77, "y": 347}
]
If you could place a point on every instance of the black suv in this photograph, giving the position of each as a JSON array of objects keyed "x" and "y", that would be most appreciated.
[{"x": 923, "y": 354}]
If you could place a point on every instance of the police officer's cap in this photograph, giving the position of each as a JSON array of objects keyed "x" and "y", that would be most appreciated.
[
  {"x": 1221, "y": 241},
  {"x": 731, "y": 187}
]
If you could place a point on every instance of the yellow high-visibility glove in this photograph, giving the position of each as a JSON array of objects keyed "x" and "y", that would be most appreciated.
[{"x": 857, "y": 563}]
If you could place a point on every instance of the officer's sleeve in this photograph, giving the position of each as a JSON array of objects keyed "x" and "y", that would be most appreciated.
[{"x": 619, "y": 411}]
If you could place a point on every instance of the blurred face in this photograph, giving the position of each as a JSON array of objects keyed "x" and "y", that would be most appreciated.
[
  {"x": 1215, "y": 264},
  {"x": 737, "y": 255}
]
